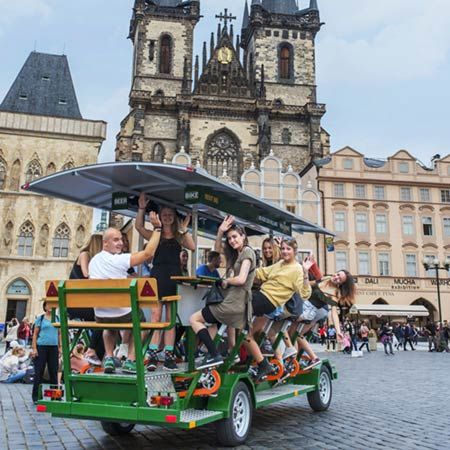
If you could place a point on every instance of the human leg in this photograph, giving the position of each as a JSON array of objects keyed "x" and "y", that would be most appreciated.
[{"x": 39, "y": 367}]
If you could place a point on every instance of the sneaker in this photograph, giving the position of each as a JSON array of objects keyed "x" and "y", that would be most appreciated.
[
  {"x": 313, "y": 363},
  {"x": 152, "y": 363},
  {"x": 267, "y": 349},
  {"x": 210, "y": 361},
  {"x": 226, "y": 354},
  {"x": 169, "y": 361},
  {"x": 109, "y": 365},
  {"x": 93, "y": 359},
  {"x": 161, "y": 356},
  {"x": 122, "y": 352},
  {"x": 264, "y": 370},
  {"x": 129, "y": 367},
  {"x": 289, "y": 352}
]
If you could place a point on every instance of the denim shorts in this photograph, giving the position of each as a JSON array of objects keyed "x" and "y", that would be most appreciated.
[{"x": 312, "y": 313}]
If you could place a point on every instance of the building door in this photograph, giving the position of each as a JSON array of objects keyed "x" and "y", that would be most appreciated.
[
  {"x": 17, "y": 309},
  {"x": 18, "y": 295}
]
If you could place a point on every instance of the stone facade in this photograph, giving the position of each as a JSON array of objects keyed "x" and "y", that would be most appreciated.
[
  {"x": 388, "y": 216},
  {"x": 230, "y": 107},
  {"x": 39, "y": 237}
]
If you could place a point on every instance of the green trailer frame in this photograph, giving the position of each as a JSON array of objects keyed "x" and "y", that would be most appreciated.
[{"x": 118, "y": 400}]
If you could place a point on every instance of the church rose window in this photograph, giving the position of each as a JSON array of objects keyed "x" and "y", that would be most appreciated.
[
  {"x": 34, "y": 170},
  {"x": 61, "y": 241},
  {"x": 165, "y": 55},
  {"x": 26, "y": 238},
  {"x": 222, "y": 154}
]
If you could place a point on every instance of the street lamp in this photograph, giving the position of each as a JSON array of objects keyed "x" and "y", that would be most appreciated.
[{"x": 433, "y": 263}]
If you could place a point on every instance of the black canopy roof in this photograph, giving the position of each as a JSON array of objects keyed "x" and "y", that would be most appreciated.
[{"x": 184, "y": 188}]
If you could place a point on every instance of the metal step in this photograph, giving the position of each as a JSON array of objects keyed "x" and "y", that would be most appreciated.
[
  {"x": 279, "y": 393},
  {"x": 197, "y": 415}
]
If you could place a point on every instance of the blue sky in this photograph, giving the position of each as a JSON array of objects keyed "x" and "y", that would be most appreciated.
[{"x": 383, "y": 67}]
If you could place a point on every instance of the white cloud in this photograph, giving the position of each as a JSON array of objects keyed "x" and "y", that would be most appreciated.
[
  {"x": 11, "y": 11},
  {"x": 383, "y": 41}
]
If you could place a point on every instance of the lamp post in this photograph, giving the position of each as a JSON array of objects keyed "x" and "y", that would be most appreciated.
[{"x": 433, "y": 263}]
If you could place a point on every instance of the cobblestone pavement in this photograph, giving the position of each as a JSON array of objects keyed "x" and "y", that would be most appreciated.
[{"x": 379, "y": 402}]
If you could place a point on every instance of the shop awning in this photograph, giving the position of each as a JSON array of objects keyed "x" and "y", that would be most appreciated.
[{"x": 390, "y": 310}]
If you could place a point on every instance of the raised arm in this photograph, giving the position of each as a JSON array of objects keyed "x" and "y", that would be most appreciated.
[
  {"x": 187, "y": 241},
  {"x": 150, "y": 249},
  {"x": 223, "y": 228},
  {"x": 139, "y": 223}
]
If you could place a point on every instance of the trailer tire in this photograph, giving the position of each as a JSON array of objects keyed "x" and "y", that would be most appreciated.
[
  {"x": 117, "y": 428},
  {"x": 234, "y": 430},
  {"x": 320, "y": 399}
]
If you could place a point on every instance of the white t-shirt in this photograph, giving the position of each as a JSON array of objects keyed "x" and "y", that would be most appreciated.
[{"x": 107, "y": 266}]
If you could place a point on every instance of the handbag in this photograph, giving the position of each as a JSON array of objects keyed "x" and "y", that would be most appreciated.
[{"x": 214, "y": 295}]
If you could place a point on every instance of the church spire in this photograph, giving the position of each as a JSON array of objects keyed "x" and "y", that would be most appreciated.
[
  {"x": 313, "y": 5},
  {"x": 205, "y": 58},
  {"x": 212, "y": 45},
  {"x": 245, "y": 19}
]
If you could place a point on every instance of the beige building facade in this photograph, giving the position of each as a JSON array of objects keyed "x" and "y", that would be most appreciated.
[
  {"x": 389, "y": 216},
  {"x": 40, "y": 237}
]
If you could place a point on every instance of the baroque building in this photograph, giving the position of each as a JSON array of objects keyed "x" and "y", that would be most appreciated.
[
  {"x": 246, "y": 95},
  {"x": 41, "y": 132},
  {"x": 389, "y": 217}
]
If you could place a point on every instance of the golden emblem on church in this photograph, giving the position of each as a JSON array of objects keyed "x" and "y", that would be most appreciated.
[{"x": 224, "y": 55}]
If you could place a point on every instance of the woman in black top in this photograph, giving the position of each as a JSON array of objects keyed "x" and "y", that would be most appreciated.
[
  {"x": 80, "y": 271},
  {"x": 166, "y": 263}
]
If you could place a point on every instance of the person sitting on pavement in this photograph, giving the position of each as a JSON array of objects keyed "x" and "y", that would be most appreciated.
[
  {"x": 279, "y": 283},
  {"x": 235, "y": 309},
  {"x": 210, "y": 269},
  {"x": 10, "y": 366},
  {"x": 111, "y": 263}
]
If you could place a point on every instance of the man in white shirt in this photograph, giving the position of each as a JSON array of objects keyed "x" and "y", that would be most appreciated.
[{"x": 111, "y": 263}]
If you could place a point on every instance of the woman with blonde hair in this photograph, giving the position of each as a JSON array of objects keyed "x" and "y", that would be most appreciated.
[
  {"x": 80, "y": 271},
  {"x": 270, "y": 251},
  {"x": 80, "y": 268}
]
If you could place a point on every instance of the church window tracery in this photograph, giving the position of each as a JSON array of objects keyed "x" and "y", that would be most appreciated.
[
  {"x": 51, "y": 168},
  {"x": 2, "y": 174},
  {"x": 14, "y": 180},
  {"x": 61, "y": 241},
  {"x": 34, "y": 170},
  {"x": 68, "y": 166},
  {"x": 222, "y": 154},
  {"x": 25, "y": 240},
  {"x": 165, "y": 57}
]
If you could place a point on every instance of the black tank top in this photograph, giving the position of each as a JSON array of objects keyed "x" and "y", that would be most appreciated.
[{"x": 76, "y": 273}]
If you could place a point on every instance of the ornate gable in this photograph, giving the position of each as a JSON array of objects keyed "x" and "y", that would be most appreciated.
[{"x": 224, "y": 75}]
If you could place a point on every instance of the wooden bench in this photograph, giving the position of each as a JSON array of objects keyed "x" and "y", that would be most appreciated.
[{"x": 134, "y": 293}]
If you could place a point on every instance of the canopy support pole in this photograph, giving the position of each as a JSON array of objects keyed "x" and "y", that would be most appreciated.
[{"x": 194, "y": 222}]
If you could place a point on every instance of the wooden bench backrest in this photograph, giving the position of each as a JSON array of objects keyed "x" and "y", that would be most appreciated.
[{"x": 147, "y": 290}]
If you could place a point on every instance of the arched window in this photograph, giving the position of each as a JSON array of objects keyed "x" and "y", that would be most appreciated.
[
  {"x": 26, "y": 238},
  {"x": 34, "y": 170},
  {"x": 18, "y": 287},
  {"x": 158, "y": 153},
  {"x": 2, "y": 173},
  {"x": 14, "y": 179},
  {"x": 286, "y": 62},
  {"x": 68, "y": 166},
  {"x": 165, "y": 54},
  {"x": 61, "y": 241},
  {"x": 51, "y": 168},
  {"x": 222, "y": 154}
]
